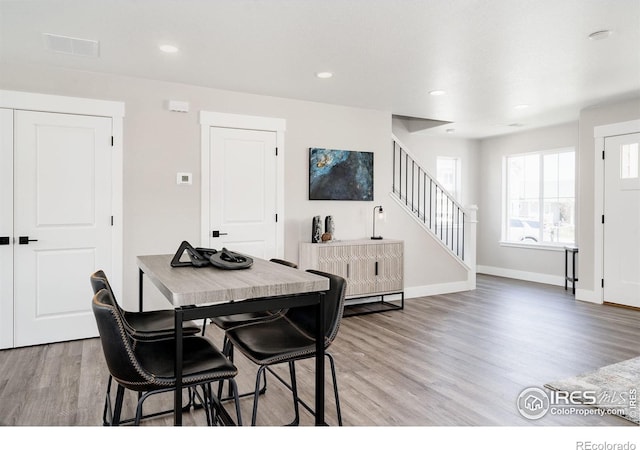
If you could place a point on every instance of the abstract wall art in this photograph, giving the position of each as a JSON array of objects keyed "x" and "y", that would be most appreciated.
[{"x": 340, "y": 174}]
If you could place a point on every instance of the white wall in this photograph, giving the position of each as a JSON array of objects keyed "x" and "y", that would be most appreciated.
[
  {"x": 158, "y": 143},
  {"x": 527, "y": 263}
]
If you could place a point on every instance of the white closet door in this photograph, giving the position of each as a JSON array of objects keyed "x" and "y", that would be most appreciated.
[
  {"x": 6, "y": 228},
  {"x": 62, "y": 223}
]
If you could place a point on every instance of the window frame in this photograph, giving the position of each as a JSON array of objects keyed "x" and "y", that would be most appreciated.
[
  {"x": 544, "y": 245},
  {"x": 457, "y": 163}
]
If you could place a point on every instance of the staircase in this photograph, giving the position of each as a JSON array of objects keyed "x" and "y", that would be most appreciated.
[{"x": 429, "y": 204}]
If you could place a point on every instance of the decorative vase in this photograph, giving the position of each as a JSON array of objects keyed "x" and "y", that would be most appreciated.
[
  {"x": 329, "y": 226},
  {"x": 316, "y": 230}
]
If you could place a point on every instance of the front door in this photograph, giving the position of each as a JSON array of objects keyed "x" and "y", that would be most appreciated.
[
  {"x": 243, "y": 190},
  {"x": 62, "y": 223},
  {"x": 622, "y": 220}
]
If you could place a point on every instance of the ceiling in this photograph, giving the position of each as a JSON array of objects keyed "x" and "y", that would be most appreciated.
[{"x": 488, "y": 55}]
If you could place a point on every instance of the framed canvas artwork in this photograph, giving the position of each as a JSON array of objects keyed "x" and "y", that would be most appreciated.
[{"x": 340, "y": 174}]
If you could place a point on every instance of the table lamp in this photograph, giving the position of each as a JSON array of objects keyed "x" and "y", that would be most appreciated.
[{"x": 380, "y": 216}]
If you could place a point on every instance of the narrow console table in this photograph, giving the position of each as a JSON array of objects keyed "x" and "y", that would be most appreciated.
[
  {"x": 372, "y": 268},
  {"x": 571, "y": 278}
]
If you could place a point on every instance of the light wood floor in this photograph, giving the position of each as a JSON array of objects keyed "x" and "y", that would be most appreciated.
[{"x": 457, "y": 359}]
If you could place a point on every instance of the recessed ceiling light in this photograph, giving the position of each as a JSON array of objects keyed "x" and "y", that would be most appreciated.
[
  {"x": 168, "y": 48},
  {"x": 521, "y": 106},
  {"x": 437, "y": 92},
  {"x": 324, "y": 74},
  {"x": 601, "y": 34}
]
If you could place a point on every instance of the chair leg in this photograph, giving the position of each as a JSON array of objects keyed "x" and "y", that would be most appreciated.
[
  {"x": 236, "y": 397},
  {"x": 204, "y": 325},
  {"x": 117, "y": 410},
  {"x": 207, "y": 403},
  {"x": 107, "y": 405},
  {"x": 227, "y": 350},
  {"x": 335, "y": 387},
  {"x": 256, "y": 396},
  {"x": 141, "y": 398},
  {"x": 294, "y": 391},
  {"x": 230, "y": 345},
  {"x": 264, "y": 379}
]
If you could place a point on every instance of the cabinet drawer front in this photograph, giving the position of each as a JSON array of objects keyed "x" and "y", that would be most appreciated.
[
  {"x": 390, "y": 268},
  {"x": 362, "y": 276},
  {"x": 334, "y": 259}
]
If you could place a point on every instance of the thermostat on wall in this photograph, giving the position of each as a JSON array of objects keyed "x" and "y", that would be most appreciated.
[{"x": 184, "y": 178}]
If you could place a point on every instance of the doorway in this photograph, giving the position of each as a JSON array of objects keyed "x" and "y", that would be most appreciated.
[
  {"x": 61, "y": 214},
  {"x": 608, "y": 216},
  {"x": 621, "y": 264},
  {"x": 243, "y": 184}
]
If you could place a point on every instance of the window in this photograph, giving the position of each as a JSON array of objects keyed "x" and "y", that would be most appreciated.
[
  {"x": 540, "y": 197},
  {"x": 448, "y": 175},
  {"x": 629, "y": 161}
]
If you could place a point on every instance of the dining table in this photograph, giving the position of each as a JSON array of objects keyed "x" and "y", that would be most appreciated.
[{"x": 209, "y": 291}]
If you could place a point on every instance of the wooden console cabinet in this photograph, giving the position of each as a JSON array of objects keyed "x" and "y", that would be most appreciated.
[{"x": 372, "y": 268}]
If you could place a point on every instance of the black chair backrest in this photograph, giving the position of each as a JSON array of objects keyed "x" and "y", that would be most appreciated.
[
  {"x": 284, "y": 262},
  {"x": 333, "y": 307},
  {"x": 100, "y": 281},
  {"x": 116, "y": 344}
]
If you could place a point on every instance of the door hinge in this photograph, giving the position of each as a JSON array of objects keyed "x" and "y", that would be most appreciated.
[
  {"x": 276, "y": 217},
  {"x": 602, "y": 154},
  {"x": 276, "y": 151},
  {"x": 602, "y": 282},
  {"x": 111, "y": 220},
  {"x": 603, "y": 218},
  {"x": 112, "y": 141}
]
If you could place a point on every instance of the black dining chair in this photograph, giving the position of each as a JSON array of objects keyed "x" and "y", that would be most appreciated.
[
  {"x": 147, "y": 367},
  {"x": 234, "y": 320},
  {"x": 226, "y": 322},
  {"x": 144, "y": 325},
  {"x": 288, "y": 338}
]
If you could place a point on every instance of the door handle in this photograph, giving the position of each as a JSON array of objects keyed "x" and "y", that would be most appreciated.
[
  {"x": 5, "y": 240},
  {"x": 26, "y": 240},
  {"x": 216, "y": 233}
]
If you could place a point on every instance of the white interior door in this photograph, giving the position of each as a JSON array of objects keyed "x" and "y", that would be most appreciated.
[
  {"x": 243, "y": 189},
  {"x": 621, "y": 265},
  {"x": 6, "y": 228},
  {"x": 62, "y": 222}
]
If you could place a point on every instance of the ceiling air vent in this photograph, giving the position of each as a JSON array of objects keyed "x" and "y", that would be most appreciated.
[{"x": 71, "y": 46}]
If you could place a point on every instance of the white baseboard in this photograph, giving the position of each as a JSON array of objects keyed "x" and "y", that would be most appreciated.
[
  {"x": 521, "y": 275},
  {"x": 589, "y": 296},
  {"x": 438, "y": 289}
]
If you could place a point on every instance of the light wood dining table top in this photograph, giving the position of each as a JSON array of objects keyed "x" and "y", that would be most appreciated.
[{"x": 188, "y": 285}]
